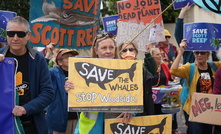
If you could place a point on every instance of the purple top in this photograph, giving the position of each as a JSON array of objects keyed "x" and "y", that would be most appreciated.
[{"x": 217, "y": 82}]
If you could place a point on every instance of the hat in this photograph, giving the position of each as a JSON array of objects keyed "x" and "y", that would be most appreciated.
[
  {"x": 61, "y": 52},
  {"x": 167, "y": 33}
]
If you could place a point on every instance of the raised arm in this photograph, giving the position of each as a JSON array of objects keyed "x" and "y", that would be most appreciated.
[{"x": 176, "y": 62}]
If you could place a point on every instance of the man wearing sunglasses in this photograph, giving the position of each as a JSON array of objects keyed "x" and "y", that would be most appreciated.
[
  {"x": 33, "y": 81},
  {"x": 169, "y": 49}
]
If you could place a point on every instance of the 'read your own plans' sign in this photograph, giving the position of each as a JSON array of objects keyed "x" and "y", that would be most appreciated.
[
  {"x": 67, "y": 23},
  {"x": 158, "y": 124},
  {"x": 206, "y": 108},
  {"x": 202, "y": 36},
  {"x": 105, "y": 85}
]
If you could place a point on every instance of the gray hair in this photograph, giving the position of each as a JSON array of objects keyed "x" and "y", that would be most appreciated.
[{"x": 19, "y": 20}]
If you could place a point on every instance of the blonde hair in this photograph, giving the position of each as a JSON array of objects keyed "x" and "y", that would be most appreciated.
[{"x": 96, "y": 44}]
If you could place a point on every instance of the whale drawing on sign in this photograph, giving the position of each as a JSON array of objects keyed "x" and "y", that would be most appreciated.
[
  {"x": 100, "y": 75},
  {"x": 66, "y": 18},
  {"x": 122, "y": 128}
]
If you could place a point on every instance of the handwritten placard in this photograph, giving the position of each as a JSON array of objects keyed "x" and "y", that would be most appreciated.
[
  {"x": 206, "y": 108},
  {"x": 134, "y": 15}
]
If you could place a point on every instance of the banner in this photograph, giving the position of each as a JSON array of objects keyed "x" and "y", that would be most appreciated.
[
  {"x": 158, "y": 124},
  {"x": 5, "y": 16},
  {"x": 105, "y": 85},
  {"x": 182, "y": 3},
  {"x": 211, "y": 5},
  {"x": 134, "y": 17},
  {"x": 202, "y": 36},
  {"x": 67, "y": 23},
  {"x": 206, "y": 108},
  {"x": 110, "y": 24},
  {"x": 7, "y": 96}
]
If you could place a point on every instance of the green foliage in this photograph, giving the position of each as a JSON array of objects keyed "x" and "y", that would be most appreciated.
[{"x": 21, "y": 7}]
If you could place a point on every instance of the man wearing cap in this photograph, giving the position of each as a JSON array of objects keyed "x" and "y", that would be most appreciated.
[
  {"x": 169, "y": 49},
  {"x": 60, "y": 121}
]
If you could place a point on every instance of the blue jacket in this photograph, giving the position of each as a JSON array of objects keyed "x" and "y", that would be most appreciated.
[
  {"x": 57, "y": 114},
  {"x": 40, "y": 88}
]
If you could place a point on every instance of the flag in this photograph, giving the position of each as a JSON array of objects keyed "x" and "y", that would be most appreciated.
[
  {"x": 7, "y": 96},
  {"x": 211, "y": 5}
]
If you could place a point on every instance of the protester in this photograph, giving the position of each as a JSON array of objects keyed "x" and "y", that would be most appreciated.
[
  {"x": 188, "y": 56},
  {"x": 169, "y": 48},
  {"x": 129, "y": 51},
  {"x": 59, "y": 120},
  {"x": 217, "y": 88},
  {"x": 50, "y": 54},
  {"x": 35, "y": 86},
  {"x": 162, "y": 78},
  {"x": 104, "y": 46},
  {"x": 202, "y": 82}
]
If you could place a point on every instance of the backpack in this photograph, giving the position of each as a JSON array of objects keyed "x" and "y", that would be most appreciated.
[{"x": 185, "y": 90}]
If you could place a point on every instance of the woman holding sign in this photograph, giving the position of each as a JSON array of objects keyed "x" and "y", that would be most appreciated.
[
  {"x": 202, "y": 81},
  {"x": 129, "y": 51},
  {"x": 104, "y": 46}
]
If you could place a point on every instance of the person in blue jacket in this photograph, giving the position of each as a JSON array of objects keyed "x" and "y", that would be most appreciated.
[
  {"x": 33, "y": 81},
  {"x": 59, "y": 120}
]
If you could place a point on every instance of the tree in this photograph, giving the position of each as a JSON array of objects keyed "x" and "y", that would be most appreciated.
[{"x": 21, "y": 7}]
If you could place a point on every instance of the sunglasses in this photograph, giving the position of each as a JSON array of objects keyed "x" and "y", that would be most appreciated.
[
  {"x": 201, "y": 53},
  {"x": 167, "y": 37},
  {"x": 129, "y": 49},
  {"x": 105, "y": 35},
  {"x": 20, "y": 34}
]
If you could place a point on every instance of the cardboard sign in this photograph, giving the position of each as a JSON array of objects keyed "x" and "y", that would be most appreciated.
[
  {"x": 110, "y": 24},
  {"x": 68, "y": 24},
  {"x": 105, "y": 85},
  {"x": 182, "y": 3},
  {"x": 7, "y": 96},
  {"x": 134, "y": 16},
  {"x": 206, "y": 108},
  {"x": 5, "y": 16},
  {"x": 202, "y": 36},
  {"x": 158, "y": 124}
]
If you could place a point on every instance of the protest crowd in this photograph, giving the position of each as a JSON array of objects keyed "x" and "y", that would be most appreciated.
[{"x": 43, "y": 81}]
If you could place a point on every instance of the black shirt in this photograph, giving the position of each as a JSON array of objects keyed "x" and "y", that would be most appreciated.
[{"x": 22, "y": 79}]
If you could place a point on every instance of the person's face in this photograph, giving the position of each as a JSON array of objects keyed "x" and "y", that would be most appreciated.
[
  {"x": 164, "y": 56},
  {"x": 166, "y": 42},
  {"x": 106, "y": 49},
  {"x": 17, "y": 44},
  {"x": 128, "y": 52},
  {"x": 157, "y": 56},
  {"x": 63, "y": 62},
  {"x": 201, "y": 56}
]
